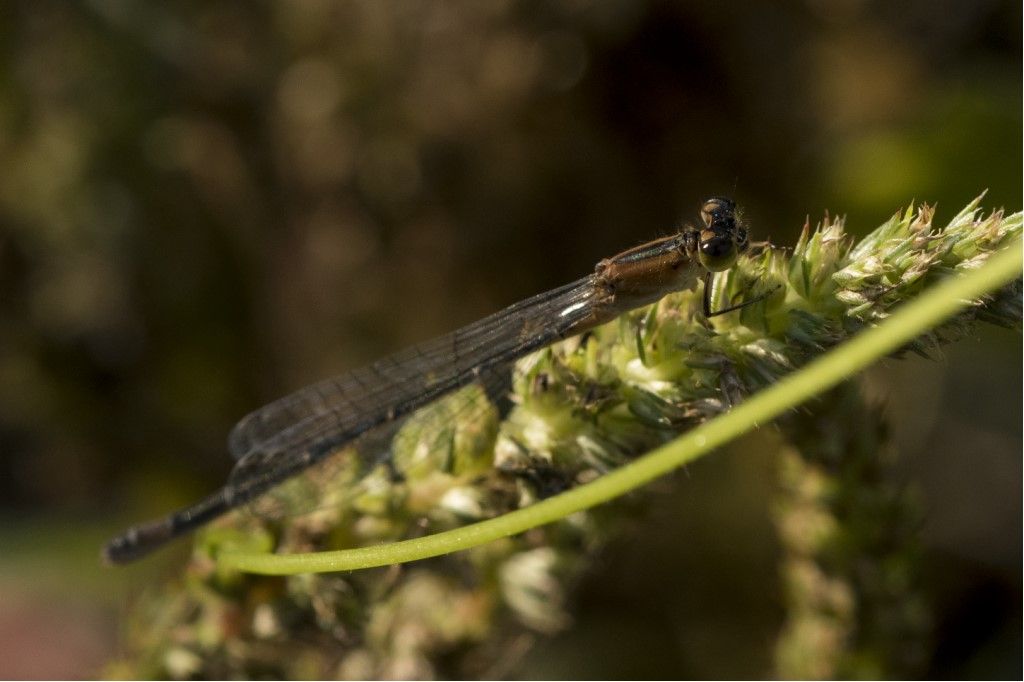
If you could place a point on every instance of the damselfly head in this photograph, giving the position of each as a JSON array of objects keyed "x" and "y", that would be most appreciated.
[{"x": 723, "y": 236}]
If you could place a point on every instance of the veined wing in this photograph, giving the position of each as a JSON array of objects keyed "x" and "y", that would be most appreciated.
[
  {"x": 452, "y": 435},
  {"x": 290, "y": 434}
]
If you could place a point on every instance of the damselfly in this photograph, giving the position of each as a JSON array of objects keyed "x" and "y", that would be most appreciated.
[{"x": 288, "y": 436}]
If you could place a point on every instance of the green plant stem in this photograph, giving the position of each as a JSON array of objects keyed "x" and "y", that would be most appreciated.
[{"x": 906, "y": 323}]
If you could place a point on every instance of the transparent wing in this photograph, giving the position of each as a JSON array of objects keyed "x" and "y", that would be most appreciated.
[
  {"x": 290, "y": 434},
  {"x": 298, "y": 431},
  {"x": 453, "y": 435}
]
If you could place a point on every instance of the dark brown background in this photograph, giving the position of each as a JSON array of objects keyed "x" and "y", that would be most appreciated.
[{"x": 205, "y": 204}]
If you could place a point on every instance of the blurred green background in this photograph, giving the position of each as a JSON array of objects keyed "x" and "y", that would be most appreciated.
[{"x": 206, "y": 204}]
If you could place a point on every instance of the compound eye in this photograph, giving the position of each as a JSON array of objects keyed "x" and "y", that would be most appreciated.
[
  {"x": 715, "y": 208},
  {"x": 717, "y": 253},
  {"x": 706, "y": 216},
  {"x": 709, "y": 211}
]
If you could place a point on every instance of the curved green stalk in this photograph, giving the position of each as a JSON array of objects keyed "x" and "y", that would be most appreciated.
[{"x": 905, "y": 324}]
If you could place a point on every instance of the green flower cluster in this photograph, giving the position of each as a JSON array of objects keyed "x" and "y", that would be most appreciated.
[
  {"x": 851, "y": 559},
  {"x": 579, "y": 409},
  {"x": 592, "y": 403}
]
